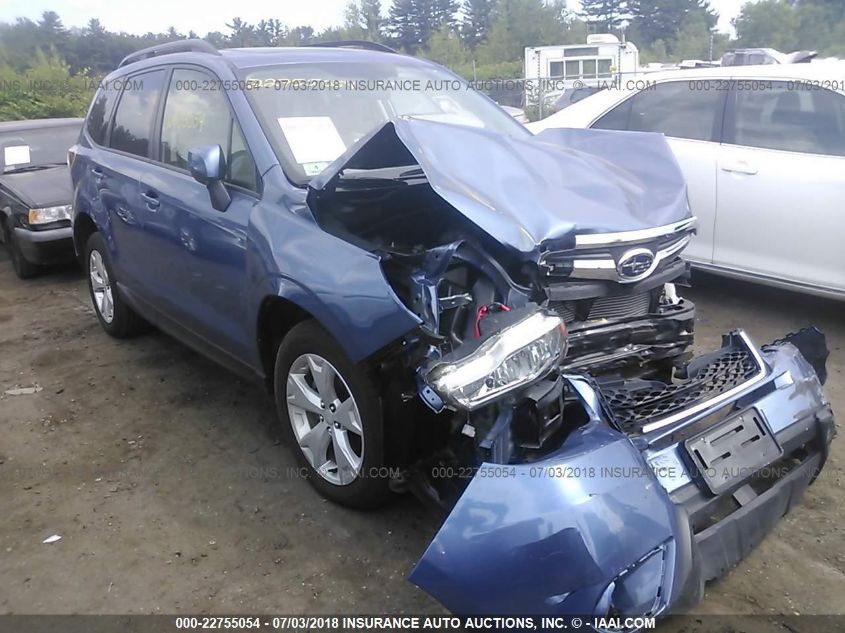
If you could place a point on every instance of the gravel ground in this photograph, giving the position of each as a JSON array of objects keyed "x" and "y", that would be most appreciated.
[{"x": 165, "y": 479}]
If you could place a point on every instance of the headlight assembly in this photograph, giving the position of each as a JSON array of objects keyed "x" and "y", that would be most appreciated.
[
  {"x": 511, "y": 358},
  {"x": 49, "y": 214}
]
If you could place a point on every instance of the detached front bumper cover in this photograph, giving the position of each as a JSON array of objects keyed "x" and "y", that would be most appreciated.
[{"x": 599, "y": 527}]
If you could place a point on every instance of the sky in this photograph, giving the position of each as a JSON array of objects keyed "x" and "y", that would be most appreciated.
[{"x": 134, "y": 16}]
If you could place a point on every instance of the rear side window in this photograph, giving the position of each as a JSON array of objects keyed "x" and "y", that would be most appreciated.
[
  {"x": 136, "y": 110},
  {"x": 197, "y": 113},
  {"x": 790, "y": 117},
  {"x": 675, "y": 108},
  {"x": 98, "y": 119}
]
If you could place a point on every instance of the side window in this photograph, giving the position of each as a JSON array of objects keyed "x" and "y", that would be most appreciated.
[
  {"x": 194, "y": 116},
  {"x": 98, "y": 119},
  {"x": 676, "y": 108},
  {"x": 617, "y": 118},
  {"x": 790, "y": 118},
  {"x": 136, "y": 110}
]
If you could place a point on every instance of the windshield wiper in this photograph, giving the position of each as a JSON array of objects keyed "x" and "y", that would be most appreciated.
[{"x": 34, "y": 167}]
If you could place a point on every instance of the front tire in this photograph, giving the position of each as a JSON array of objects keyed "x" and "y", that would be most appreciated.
[
  {"x": 113, "y": 313},
  {"x": 24, "y": 269},
  {"x": 331, "y": 414}
]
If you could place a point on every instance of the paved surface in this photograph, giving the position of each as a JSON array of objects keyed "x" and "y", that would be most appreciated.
[{"x": 163, "y": 475}]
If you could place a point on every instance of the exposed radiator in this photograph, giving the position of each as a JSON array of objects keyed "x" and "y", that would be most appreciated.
[{"x": 618, "y": 306}]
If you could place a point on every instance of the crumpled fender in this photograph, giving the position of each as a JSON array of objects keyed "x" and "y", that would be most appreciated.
[
  {"x": 549, "y": 537},
  {"x": 527, "y": 190}
]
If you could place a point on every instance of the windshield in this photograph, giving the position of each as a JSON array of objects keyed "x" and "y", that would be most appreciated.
[
  {"x": 313, "y": 113},
  {"x": 25, "y": 149}
]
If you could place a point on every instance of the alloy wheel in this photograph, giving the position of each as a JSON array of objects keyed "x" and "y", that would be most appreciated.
[
  {"x": 325, "y": 419},
  {"x": 101, "y": 286}
]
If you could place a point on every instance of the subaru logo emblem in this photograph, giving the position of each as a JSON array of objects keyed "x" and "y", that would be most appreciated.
[{"x": 635, "y": 264}]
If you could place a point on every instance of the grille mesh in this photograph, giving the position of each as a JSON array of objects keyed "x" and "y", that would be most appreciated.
[
  {"x": 630, "y": 305},
  {"x": 635, "y": 407}
]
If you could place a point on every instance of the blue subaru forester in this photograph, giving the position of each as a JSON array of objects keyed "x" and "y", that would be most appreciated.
[{"x": 442, "y": 303}]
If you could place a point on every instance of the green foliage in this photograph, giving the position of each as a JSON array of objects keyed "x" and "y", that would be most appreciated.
[
  {"x": 49, "y": 70},
  {"x": 46, "y": 89},
  {"x": 812, "y": 25},
  {"x": 604, "y": 16},
  {"x": 478, "y": 18},
  {"x": 665, "y": 20}
]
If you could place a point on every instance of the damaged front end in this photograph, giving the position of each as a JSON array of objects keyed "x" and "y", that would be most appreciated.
[
  {"x": 626, "y": 519},
  {"x": 547, "y": 399}
]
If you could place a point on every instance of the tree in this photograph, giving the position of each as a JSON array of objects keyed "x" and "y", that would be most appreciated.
[
  {"x": 604, "y": 16},
  {"x": 769, "y": 23},
  {"x": 363, "y": 21},
  {"x": 403, "y": 24},
  {"x": 477, "y": 20},
  {"x": 445, "y": 47},
  {"x": 372, "y": 20},
  {"x": 653, "y": 20},
  {"x": 241, "y": 32},
  {"x": 442, "y": 13}
]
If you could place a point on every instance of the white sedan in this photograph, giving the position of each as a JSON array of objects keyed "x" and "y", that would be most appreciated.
[{"x": 762, "y": 149}]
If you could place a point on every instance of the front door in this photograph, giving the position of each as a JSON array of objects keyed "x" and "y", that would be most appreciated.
[{"x": 203, "y": 251}]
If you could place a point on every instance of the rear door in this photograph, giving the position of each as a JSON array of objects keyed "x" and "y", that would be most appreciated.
[
  {"x": 118, "y": 172},
  {"x": 689, "y": 114},
  {"x": 202, "y": 251},
  {"x": 781, "y": 183}
]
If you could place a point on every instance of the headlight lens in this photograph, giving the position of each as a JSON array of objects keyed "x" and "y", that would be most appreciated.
[
  {"x": 514, "y": 357},
  {"x": 49, "y": 214}
]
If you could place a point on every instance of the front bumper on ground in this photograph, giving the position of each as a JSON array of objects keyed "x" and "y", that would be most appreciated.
[
  {"x": 613, "y": 525},
  {"x": 51, "y": 246}
]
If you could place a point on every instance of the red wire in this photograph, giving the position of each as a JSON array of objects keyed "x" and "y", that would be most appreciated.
[{"x": 484, "y": 311}]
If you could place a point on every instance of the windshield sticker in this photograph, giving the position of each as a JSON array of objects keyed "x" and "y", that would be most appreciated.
[
  {"x": 16, "y": 155},
  {"x": 314, "y": 140},
  {"x": 312, "y": 169}
]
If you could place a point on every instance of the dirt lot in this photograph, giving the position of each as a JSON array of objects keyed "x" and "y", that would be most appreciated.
[{"x": 163, "y": 476}]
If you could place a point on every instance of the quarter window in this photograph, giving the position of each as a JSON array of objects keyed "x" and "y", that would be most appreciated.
[
  {"x": 792, "y": 118},
  {"x": 133, "y": 121},
  {"x": 197, "y": 113},
  {"x": 674, "y": 108}
]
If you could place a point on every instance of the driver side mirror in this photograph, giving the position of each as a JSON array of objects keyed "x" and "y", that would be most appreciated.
[{"x": 207, "y": 166}]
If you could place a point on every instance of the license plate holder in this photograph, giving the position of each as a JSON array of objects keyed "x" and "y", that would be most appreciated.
[{"x": 733, "y": 450}]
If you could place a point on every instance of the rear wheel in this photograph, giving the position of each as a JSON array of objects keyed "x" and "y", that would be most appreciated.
[
  {"x": 331, "y": 413},
  {"x": 114, "y": 314}
]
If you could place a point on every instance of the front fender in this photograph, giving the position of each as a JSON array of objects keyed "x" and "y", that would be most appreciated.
[
  {"x": 342, "y": 286},
  {"x": 552, "y": 536}
]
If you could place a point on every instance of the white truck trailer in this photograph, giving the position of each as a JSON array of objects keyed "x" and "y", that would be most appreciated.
[{"x": 552, "y": 71}]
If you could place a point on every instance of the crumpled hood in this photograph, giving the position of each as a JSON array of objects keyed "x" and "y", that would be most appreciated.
[{"x": 529, "y": 190}]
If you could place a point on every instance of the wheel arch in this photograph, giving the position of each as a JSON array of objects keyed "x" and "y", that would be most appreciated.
[
  {"x": 83, "y": 228},
  {"x": 277, "y": 315}
]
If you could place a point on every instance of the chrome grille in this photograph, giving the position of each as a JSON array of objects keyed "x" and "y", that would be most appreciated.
[{"x": 614, "y": 307}]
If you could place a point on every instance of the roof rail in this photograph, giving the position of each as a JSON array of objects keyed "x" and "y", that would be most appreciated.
[
  {"x": 364, "y": 44},
  {"x": 179, "y": 46}
]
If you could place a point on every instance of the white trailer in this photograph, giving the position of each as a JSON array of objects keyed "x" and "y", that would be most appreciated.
[{"x": 552, "y": 70}]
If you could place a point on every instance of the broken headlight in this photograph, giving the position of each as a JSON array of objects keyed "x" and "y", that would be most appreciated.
[{"x": 510, "y": 358}]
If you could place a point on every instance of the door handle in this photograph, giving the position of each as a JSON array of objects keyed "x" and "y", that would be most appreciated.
[
  {"x": 98, "y": 174},
  {"x": 739, "y": 167},
  {"x": 151, "y": 198}
]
